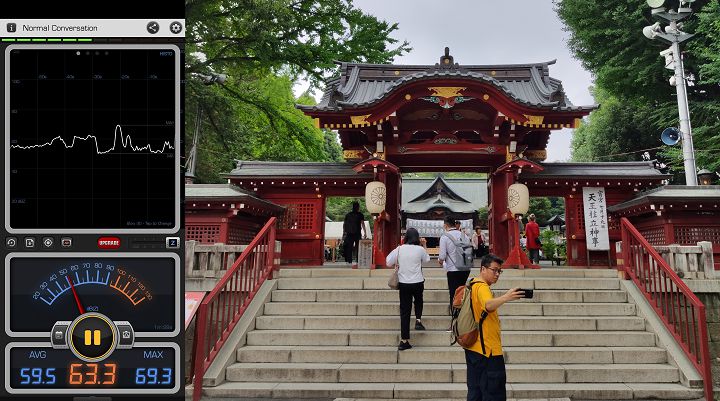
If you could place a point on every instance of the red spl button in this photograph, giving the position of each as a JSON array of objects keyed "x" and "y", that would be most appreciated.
[{"x": 108, "y": 242}]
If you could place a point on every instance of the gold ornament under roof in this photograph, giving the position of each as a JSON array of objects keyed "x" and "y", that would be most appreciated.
[
  {"x": 534, "y": 120},
  {"x": 446, "y": 91},
  {"x": 360, "y": 120}
]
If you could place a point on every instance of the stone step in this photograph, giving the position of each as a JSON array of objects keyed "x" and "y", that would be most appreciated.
[
  {"x": 454, "y": 354},
  {"x": 451, "y": 391},
  {"x": 438, "y": 283},
  {"x": 433, "y": 271},
  {"x": 535, "y": 338},
  {"x": 517, "y": 308},
  {"x": 448, "y": 373},
  {"x": 440, "y": 323},
  {"x": 440, "y": 296}
]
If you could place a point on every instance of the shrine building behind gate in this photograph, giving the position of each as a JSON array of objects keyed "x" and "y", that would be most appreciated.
[{"x": 446, "y": 117}]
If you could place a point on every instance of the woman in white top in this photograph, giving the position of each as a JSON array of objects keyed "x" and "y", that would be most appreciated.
[{"x": 410, "y": 257}]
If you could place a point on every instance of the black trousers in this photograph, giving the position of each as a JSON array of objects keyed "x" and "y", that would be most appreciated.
[
  {"x": 455, "y": 280},
  {"x": 485, "y": 377},
  {"x": 409, "y": 294},
  {"x": 349, "y": 245}
]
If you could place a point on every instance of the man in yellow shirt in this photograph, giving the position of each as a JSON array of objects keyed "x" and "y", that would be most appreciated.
[{"x": 485, "y": 362}]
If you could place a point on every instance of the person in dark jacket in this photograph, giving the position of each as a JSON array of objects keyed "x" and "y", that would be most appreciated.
[{"x": 352, "y": 226}]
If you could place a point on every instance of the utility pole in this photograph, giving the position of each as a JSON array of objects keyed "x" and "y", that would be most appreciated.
[{"x": 673, "y": 60}]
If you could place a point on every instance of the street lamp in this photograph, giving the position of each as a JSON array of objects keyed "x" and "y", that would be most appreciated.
[
  {"x": 209, "y": 79},
  {"x": 706, "y": 177},
  {"x": 673, "y": 61}
]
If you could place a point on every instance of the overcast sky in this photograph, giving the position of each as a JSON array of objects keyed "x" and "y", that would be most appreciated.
[{"x": 489, "y": 32}]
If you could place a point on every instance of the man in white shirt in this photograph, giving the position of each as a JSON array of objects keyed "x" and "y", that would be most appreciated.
[{"x": 455, "y": 278}]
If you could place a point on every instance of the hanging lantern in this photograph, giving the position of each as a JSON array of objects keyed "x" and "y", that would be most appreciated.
[
  {"x": 375, "y": 197},
  {"x": 518, "y": 199}
]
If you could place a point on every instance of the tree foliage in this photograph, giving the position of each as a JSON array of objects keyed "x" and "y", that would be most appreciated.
[
  {"x": 264, "y": 47},
  {"x": 614, "y": 132},
  {"x": 337, "y": 207},
  {"x": 546, "y": 207},
  {"x": 632, "y": 84}
]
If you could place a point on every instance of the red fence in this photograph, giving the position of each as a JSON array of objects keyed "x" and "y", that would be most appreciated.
[
  {"x": 222, "y": 308},
  {"x": 680, "y": 310}
]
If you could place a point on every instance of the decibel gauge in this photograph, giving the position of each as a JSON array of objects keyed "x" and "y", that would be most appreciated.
[{"x": 137, "y": 288}]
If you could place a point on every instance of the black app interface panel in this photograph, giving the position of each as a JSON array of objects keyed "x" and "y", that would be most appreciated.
[{"x": 92, "y": 227}]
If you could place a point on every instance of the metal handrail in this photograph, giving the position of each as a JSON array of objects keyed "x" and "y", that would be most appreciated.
[
  {"x": 222, "y": 308},
  {"x": 677, "y": 306}
]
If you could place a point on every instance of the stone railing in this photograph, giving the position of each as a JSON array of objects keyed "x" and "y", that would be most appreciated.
[
  {"x": 205, "y": 264},
  {"x": 690, "y": 262}
]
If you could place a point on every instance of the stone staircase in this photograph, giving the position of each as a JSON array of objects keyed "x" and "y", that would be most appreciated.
[{"x": 334, "y": 333}]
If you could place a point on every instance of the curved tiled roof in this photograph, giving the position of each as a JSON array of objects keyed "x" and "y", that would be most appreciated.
[
  {"x": 603, "y": 170},
  {"x": 363, "y": 85},
  {"x": 253, "y": 168}
]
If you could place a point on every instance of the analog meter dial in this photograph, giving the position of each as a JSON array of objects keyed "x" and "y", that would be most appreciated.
[{"x": 139, "y": 290}]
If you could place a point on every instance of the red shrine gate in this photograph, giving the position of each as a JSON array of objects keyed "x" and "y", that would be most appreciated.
[{"x": 395, "y": 119}]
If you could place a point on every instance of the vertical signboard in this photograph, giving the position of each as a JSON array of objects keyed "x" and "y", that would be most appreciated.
[
  {"x": 596, "y": 225},
  {"x": 365, "y": 252}
]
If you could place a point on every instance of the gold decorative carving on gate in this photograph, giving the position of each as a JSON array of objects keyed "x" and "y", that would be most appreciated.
[
  {"x": 534, "y": 120},
  {"x": 353, "y": 154},
  {"x": 537, "y": 154},
  {"x": 446, "y": 91},
  {"x": 360, "y": 120}
]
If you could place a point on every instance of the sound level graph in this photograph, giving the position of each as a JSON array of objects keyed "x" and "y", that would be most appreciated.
[
  {"x": 125, "y": 142},
  {"x": 93, "y": 140}
]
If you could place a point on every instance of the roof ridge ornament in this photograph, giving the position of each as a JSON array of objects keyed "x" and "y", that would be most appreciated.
[{"x": 446, "y": 61}]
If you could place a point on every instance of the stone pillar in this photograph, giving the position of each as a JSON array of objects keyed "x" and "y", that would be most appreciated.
[{"x": 706, "y": 260}]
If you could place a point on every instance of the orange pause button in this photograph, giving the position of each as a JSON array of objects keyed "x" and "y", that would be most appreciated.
[{"x": 92, "y": 337}]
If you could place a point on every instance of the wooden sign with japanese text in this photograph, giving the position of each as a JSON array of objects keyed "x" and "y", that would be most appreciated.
[{"x": 596, "y": 225}]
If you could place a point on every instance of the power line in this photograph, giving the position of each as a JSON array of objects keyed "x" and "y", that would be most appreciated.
[{"x": 630, "y": 153}]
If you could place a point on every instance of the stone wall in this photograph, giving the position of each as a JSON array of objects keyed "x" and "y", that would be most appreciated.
[{"x": 712, "y": 313}]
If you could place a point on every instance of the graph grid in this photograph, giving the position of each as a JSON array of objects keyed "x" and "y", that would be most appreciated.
[{"x": 92, "y": 138}]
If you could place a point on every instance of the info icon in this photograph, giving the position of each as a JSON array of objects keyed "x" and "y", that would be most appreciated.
[
  {"x": 92, "y": 337},
  {"x": 11, "y": 27}
]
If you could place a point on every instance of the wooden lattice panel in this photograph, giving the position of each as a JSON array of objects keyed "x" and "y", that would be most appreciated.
[
  {"x": 203, "y": 233},
  {"x": 614, "y": 224},
  {"x": 580, "y": 216},
  {"x": 298, "y": 216},
  {"x": 655, "y": 236},
  {"x": 688, "y": 235},
  {"x": 239, "y": 235}
]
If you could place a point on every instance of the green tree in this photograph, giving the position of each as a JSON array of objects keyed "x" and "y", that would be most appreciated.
[
  {"x": 614, "y": 132},
  {"x": 300, "y": 36},
  {"x": 483, "y": 214},
  {"x": 265, "y": 126},
  {"x": 631, "y": 78},
  {"x": 337, "y": 207},
  {"x": 542, "y": 208},
  {"x": 264, "y": 46}
]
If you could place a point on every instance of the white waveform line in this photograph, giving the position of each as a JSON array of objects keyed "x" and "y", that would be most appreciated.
[{"x": 125, "y": 142}]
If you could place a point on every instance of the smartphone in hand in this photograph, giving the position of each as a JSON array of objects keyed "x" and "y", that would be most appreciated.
[{"x": 528, "y": 292}]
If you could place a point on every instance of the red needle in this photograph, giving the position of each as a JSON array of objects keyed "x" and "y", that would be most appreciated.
[{"x": 77, "y": 299}]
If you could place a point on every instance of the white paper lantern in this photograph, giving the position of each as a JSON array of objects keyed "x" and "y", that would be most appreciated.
[
  {"x": 375, "y": 197},
  {"x": 518, "y": 199}
]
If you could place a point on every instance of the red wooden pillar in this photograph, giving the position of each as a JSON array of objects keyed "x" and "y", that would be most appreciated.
[
  {"x": 391, "y": 235},
  {"x": 499, "y": 227},
  {"x": 669, "y": 229},
  {"x": 224, "y": 230}
]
